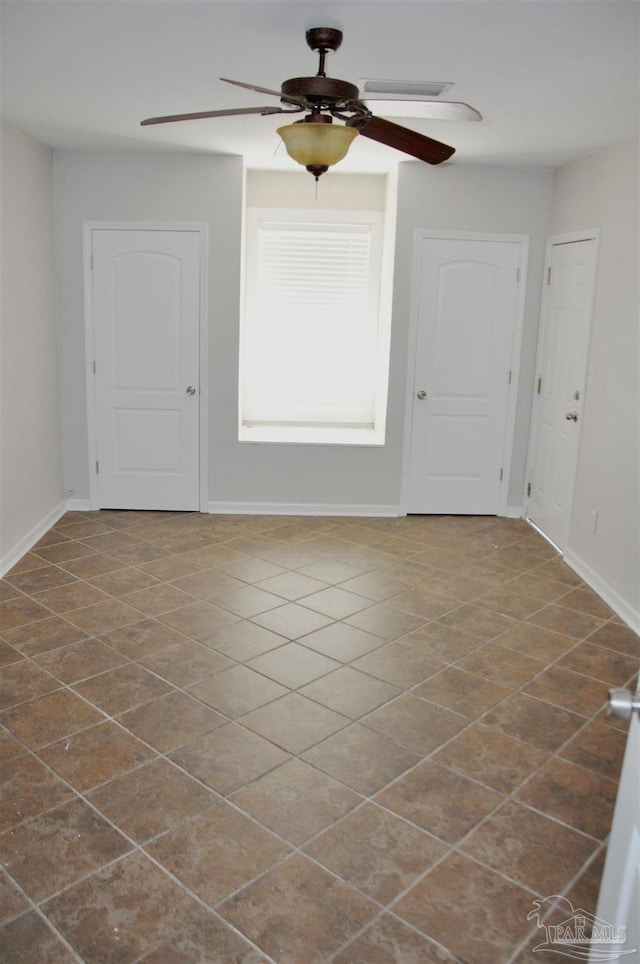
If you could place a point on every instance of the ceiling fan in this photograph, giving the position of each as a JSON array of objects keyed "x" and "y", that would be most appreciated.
[{"x": 314, "y": 140}]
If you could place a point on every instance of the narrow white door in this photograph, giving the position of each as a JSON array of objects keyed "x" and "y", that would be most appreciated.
[
  {"x": 467, "y": 294},
  {"x": 561, "y": 383},
  {"x": 146, "y": 311},
  {"x": 618, "y": 911}
]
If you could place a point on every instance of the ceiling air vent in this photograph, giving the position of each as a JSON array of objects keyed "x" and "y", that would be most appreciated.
[{"x": 402, "y": 89}]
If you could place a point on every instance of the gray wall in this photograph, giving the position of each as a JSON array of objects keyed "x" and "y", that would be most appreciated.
[
  {"x": 601, "y": 191},
  {"x": 31, "y": 490},
  {"x": 97, "y": 186}
]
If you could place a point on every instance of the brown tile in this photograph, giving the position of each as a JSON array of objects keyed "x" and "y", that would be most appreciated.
[
  {"x": 336, "y": 602},
  {"x": 293, "y": 665},
  {"x": 404, "y": 663},
  {"x": 248, "y": 601},
  {"x": 23, "y": 681},
  {"x": 8, "y": 654},
  {"x": 171, "y": 720},
  {"x": 327, "y": 912},
  {"x": 376, "y": 852},
  {"x": 156, "y": 600},
  {"x": 95, "y": 755},
  {"x": 122, "y": 688},
  {"x": 295, "y": 800},
  {"x": 448, "y": 644},
  {"x": 376, "y": 586},
  {"x": 109, "y": 541},
  {"x": 597, "y": 747},
  {"x": 364, "y": 760},
  {"x": 64, "y": 551},
  {"x": 244, "y": 640},
  {"x": 28, "y": 788},
  {"x": 508, "y": 602},
  {"x": 567, "y": 621},
  {"x": 350, "y": 692},
  {"x": 332, "y": 571},
  {"x": 143, "y": 638},
  {"x": 615, "y": 636},
  {"x": 217, "y": 852},
  {"x": 581, "y": 798},
  {"x": 570, "y": 690},
  {"x": 169, "y": 568},
  {"x": 73, "y": 596},
  {"x": 186, "y": 663},
  {"x": 96, "y": 565},
  {"x": 490, "y": 757},
  {"x": 387, "y": 941},
  {"x": 415, "y": 723},
  {"x": 37, "y": 580},
  {"x": 229, "y": 757},
  {"x": 237, "y": 691},
  {"x": 80, "y": 660},
  {"x": 170, "y": 796},
  {"x": 463, "y": 692},
  {"x": 439, "y": 800},
  {"x": 20, "y": 611},
  {"x": 122, "y": 911},
  {"x": 586, "y": 601},
  {"x": 103, "y": 617},
  {"x": 43, "y": 636},
  {"x": 292, "y": 620},
  {"x": 294, "y": 723},
  {"x": 123, "y": 581},
  {"x": 9, "y": 748},
  {"x": 28, "y": 939},
  {"x": 534, "y": 721},
  {"x": 191, "y": 943},
  {"x": 200, "y": 619},
  {"x": 50, "y": 717},
  {"x": 207, "y": 584},
  {"x": 535, "y": 642},
  {"x": 57, "y": 848},
  {"x": 12, "y": 903},
  {"x": 478, "y": 621},
  {"x": 517, "y": 841},
  {"x": 427, "y": 603},
  {"x": 477, "y": 914},
  {"x": 251, "y": 570},
  {"x": 546, "y": 590},
  {"x": 599, "y": 663},
  {"x": 343, "y": 642},
  {"x": 386, "y": 621},
  {"x": 501, "y": 665}
]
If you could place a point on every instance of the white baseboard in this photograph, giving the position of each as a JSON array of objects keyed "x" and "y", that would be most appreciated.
[
  {"x": 604, "y": 590},
  {"x": 79, "y": 505},
  {"x": 10, "y": 558},
  {"x": 303, "y": 508}
]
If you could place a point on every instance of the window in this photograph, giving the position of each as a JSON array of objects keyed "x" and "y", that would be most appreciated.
[{"x": 314, "y": 355}]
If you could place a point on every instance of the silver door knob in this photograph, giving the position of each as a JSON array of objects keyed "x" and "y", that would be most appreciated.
[
  {"x": 622, "y": 703},
  {"x": 191, "y": 390},
  {"x": 422, "y": 394},
  {"x": 571, "y": 416}
]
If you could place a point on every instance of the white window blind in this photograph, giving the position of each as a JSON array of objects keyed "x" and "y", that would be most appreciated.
[{"x": 310, "y": 336}]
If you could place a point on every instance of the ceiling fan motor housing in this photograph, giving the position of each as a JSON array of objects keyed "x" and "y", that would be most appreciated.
[{"x": 322, "y": 91}]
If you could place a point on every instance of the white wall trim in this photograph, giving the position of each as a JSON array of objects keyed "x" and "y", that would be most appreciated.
[
  {"x": 89, "y": 340},
  {"x": 14, "y": 555},
  {"x": 516, "y": 349},
  {"x": 604, "y": 590},
  {"x": 302, "y": 508},
  {"x": 514, "y": 512}
]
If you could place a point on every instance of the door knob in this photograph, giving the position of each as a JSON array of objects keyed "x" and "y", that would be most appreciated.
[
  {"x": 622, "y": 703},
  {"x": 571, "y": 416},
  {"x": 191, "y": 390},
  {"x": 422, "y": 394}
]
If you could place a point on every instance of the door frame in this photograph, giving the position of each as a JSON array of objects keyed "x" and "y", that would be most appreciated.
[
  {"x": 202, "y": 229},
  {"x": 419, "y": 235},
  {"x": 553, "y": 241}
]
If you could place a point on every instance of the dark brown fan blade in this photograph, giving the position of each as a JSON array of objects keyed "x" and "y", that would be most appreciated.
[
  {"x": 408, "y": 141},
  {"x": 170, "y": 118},
  {"x": 289, "y": 98}
]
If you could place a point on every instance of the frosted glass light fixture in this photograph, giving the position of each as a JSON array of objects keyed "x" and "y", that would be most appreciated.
[{"x": 316, "y": 143}]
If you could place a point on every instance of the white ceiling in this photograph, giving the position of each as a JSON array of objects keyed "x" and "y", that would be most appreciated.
[{"x": 554, "y": 80}]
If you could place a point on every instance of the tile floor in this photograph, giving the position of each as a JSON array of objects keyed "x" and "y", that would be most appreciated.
[{"x": 243, "y": 739}]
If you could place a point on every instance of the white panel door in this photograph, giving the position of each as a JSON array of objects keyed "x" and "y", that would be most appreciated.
[
  {"x": 146, "y": 310},
  {"x": 466, "y": 317},
  {"x": 562, "y": 375}
]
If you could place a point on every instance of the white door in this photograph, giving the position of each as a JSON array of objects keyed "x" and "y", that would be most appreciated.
[
  {"x": 146, "y": 313},
  {"x": 618, "y": 911},
  {"x": 467, "y": 298},
  {"x": 562, "y": 377}
]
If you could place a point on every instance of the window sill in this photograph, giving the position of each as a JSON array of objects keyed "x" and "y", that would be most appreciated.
[{"x": 310, "y": 435}]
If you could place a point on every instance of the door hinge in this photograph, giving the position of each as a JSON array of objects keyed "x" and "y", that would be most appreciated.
[
  {"x": 528, "y": 488},
  {"x": 501, "y": 474},
  {"x": 539, "y": 384},
  {"x": 510, "y": 373},
  {"x": 517, "y": 275},
  {"x": 94, "y": 368},
  {"x": 97, "y": 467},
  {"x": 549, "y": 275}
]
